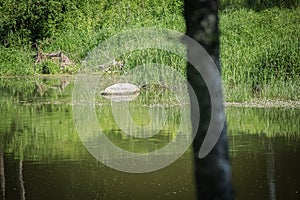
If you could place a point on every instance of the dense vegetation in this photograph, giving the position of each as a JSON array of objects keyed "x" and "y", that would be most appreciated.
[{"x": 259, "y": 39}]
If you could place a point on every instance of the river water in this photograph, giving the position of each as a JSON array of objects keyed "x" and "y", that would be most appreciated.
[{"x": 42, "y": 155}]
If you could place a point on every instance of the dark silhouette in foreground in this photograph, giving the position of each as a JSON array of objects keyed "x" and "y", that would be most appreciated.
[{"x": 213, "y": 172}]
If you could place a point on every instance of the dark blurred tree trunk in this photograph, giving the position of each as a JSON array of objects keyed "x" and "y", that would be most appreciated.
[{"x": 213, "y": 172}]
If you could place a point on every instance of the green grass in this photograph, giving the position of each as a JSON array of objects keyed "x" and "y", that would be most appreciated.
[
  {"x": 259, "y": 49},
  {"x": 257, "y": 5}
]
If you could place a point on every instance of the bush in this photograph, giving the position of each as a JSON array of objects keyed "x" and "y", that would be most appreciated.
[
  {"x": 26, "y": 21},
  {"x": 16, "y": 61}
]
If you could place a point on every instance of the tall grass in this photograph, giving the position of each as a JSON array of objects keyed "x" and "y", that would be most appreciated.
[
  {"x": 260, "y": 54},
  {"x": 257, "y": 5}
]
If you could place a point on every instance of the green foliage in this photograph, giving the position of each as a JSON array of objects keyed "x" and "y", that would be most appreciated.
[
  {"x": 15, "y": 61},
  {"x": 54, "y": 67},
  {"x": 25, "y": 21},
  {"x": 48, "y": 67},
  {"x": 258, "y": 49}
]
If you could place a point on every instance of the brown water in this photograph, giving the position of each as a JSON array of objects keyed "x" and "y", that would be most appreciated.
[{"x": 42, "y": 156}]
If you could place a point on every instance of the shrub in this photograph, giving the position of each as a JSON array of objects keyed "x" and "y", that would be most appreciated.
[{"x": 25, "y": 21}]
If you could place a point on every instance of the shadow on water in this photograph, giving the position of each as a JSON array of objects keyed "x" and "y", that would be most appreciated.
[{"x": 42, "y": 157}]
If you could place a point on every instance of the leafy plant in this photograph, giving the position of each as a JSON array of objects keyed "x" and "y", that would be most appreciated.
[{"x": 25, "y": 21}]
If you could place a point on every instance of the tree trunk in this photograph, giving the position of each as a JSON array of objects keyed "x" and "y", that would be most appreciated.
[{"x": 213, "y": 172}]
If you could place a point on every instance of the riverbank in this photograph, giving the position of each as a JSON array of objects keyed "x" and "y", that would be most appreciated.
[
  {"x": 259, "y": 47},
  {"x": 259, "y": 103},
  {"x": 58, "y": 89}
]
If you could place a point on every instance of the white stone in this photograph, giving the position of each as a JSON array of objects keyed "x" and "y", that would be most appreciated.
[{"x": 121, "y": 92}]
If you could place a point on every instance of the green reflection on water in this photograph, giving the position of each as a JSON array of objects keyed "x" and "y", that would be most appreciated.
[
  {"x": 267, "y": 121},
  {"x": 45, "y": 131},
  {"x": 39, "y": 132},
  {"x": 37, "y": 89},
  {"x": 162, "y": 132}
]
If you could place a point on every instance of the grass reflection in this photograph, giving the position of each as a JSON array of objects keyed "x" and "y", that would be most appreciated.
[{"x": 269, "y": 121}]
